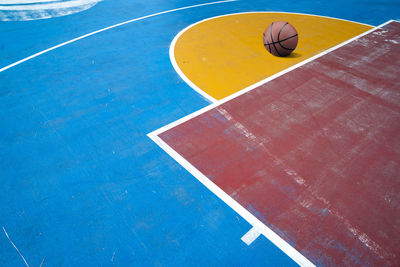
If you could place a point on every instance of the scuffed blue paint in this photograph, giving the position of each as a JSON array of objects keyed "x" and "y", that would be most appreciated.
[{"x": 82, "y": 184}]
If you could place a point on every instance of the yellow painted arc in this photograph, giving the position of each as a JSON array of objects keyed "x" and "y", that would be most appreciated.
[{"x": 226, "y": 54}]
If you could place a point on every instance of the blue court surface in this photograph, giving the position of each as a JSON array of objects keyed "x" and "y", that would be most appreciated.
[{"x": 82, "y": 184}]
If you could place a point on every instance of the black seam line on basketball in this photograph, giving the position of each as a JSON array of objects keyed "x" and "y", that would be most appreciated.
[
  {"x": 272, "y": 39},
  {"x": 264, "y": 38},
  {"x": 291, "y": 49},
  {"x": 269, "y": 47},
  {"x": 284, "y": 47},
  {"x": 282, "y": 40},
  {"x": 279, "y": 41},
  {"x": 279, "y": 33}
]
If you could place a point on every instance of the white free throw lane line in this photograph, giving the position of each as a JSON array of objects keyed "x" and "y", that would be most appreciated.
[
  {"x": 256, "y": 223},
  {"x": 108, "y": 28}
]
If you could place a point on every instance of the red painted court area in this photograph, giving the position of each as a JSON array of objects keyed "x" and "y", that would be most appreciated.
[{"x": 315, "y": 153}]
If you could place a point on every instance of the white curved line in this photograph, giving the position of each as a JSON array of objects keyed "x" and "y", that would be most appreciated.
[
  {"x": 254, "y": 221},
  {"x": 58, "y": 5},
  {"x": 12, "y": 243},
  {"x": 108, "y": 28},
  {"x": 259, "y": 226},
  {"x": 188, "y": 81},
  {"x": 180, "y": 72},
  {"x": 18, "y": 2}
]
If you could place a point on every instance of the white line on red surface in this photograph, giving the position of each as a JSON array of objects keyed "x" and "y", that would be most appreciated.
[
  {"x": 258, "y": 226},
  {"x": 187, "y": 80}
]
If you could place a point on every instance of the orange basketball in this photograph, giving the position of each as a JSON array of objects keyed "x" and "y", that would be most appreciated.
[{"x": 280, "y": 38}]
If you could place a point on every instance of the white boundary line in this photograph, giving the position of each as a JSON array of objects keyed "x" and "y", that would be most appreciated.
[
  {"x": 108, "y": 28},
  {"x": 251, "y": 87},
  {"x": 188, "y": 81},
  {"x": 258, "y": 226}
]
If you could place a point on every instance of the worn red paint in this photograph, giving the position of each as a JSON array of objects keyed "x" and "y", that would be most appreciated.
[{"x": 315, "y": 153}]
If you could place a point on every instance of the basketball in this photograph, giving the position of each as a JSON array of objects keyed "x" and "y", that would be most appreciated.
[{"x": 280, "y": 38}]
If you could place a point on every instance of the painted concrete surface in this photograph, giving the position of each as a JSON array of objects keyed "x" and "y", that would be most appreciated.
[
  {"x": 23, "y": 10},
  {"x": 314, "y": 154},
  {"x": 224, "y": 55},
  {"x": 82, "y": 184}
]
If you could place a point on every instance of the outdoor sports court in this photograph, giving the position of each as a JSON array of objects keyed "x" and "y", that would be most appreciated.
[{"x": 163, "y": 133}]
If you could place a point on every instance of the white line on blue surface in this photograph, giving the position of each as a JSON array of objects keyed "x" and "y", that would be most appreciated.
[
  {"x": 258, "y": 226},
  {"x": 12, "y": 243},
  {"x": 20, "y": 2},
  {"x": 108, "y": 28},
  {"x": 174, "y": 41},
  {"x": 251, "y": 236},
  {"x": 180, "y": 72},
  {"x": 53, "y": 5},
  {"x": 24, "y": 10}
]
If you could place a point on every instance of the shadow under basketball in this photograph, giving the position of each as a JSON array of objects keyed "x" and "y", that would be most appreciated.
[{"x": 293, "y": 55}]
